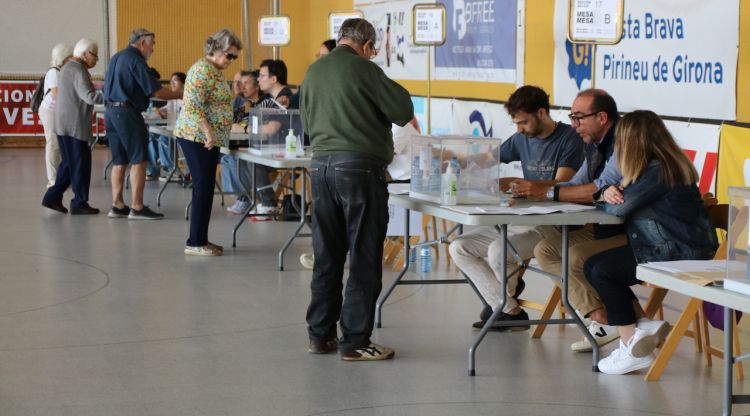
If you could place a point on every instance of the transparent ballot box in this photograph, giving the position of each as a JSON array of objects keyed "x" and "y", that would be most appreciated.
[
  {"x": 269, "y": 128},
  {"x": 738, "y": 241},
  {"x": 472, "y": 162}
]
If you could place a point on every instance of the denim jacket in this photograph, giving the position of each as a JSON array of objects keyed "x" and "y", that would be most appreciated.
[{"x": 664, "y": 223}]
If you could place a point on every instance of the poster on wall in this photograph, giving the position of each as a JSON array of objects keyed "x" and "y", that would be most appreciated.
[
  {"x": 734, "y": 162},
  {"x": 441, "y": 109},
  {"x": 480, "y": 41},
  {"x": 483, "y": 119},
  {"x": 700, "y": 142},
  {"x": 398, "y": 56},
  {"x": 16, "y": 117},
  {"x": 668, "y": 60}
]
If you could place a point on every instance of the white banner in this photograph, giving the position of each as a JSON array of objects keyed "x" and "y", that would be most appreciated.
[
  {"x": 668, "y": 61},
  {"x": 701, "y": 144},
  {"x": 397, "y": 55}
]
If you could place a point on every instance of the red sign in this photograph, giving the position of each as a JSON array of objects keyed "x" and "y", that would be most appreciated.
[{"x": 16, "y": 117}]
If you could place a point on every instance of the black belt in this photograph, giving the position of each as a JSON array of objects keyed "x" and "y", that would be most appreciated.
[{"x": 113, "y": 104}]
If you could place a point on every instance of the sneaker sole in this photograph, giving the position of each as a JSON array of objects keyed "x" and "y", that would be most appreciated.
[
  {"x": 133, "y": 217},
  {"x": 193, "y": 253},
  {"x": 584, "y": 346},
  {"x": 380, "y": 357},
  {"x": 113, "y": 215},
  {"x": 630, "y": 369},
  {"x": 648, "y": 344}
]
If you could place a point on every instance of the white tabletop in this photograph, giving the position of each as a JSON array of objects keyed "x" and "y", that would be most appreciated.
[
  {"x": 434, "y": 209},
  {"x": 268, "y": 160},
  {"x": 713, "y": 294}
]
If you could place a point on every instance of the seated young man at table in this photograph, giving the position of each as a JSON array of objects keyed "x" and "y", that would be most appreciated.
[
  {"x": 594, "y": 116},
  {"x": 550, "y": 152}
]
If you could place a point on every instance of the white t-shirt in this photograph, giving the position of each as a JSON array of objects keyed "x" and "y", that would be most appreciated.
[{"x": 50, "y": 81}]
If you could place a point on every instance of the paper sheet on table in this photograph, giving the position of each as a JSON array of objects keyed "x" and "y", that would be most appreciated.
[
  {"x": 398, "y": 188},
  {"x": 530, "y": 210},
  {"x": 700, "y": 272}
]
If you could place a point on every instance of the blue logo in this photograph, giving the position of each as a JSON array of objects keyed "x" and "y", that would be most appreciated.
[
  {"x": 479, "y": 129},
  {"x": 580, "y": 61}
]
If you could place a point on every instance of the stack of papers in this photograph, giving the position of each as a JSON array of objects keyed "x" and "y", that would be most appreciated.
[
  {"x": 700, "y": 272},
  {"x": 526, "y": 210}
]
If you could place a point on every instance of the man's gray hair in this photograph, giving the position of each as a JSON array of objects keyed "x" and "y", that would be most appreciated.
[
  {"x": 221, "y": 41},
  {"x": 139, "y": 33},
  {"x": 358, "y": 31},
  {"x": 84, "y": 45}
]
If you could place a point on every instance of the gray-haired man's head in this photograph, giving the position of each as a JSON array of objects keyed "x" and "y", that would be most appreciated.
[
  {"x": 143, "y": 40},
  {"x": 359, "y": 34}
]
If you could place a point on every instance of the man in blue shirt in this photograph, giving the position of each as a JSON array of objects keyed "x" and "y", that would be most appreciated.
[
  {"x": 550, "y": 152},
  {"x": 594, "y": 116},
  {"x": 128, "y": 86}
]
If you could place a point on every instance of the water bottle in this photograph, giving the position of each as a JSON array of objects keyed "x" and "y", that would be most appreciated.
[
  {"x": 456, "y": 168},
  {"x": 416, "y": 176},
  {"x": 433, "y": 181},
  {"x": 413, "y": 255},
  {"x": 425, "y": 259}
]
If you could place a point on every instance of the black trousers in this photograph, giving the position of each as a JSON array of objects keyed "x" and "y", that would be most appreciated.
[
  {"x": 611, "y": 273},
  {"x": 350, "y": 214},
  {"x": 74, "y": 171},
  {"x": 202, "y": 164}
]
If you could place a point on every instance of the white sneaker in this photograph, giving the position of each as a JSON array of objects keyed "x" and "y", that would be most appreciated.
[
  {"x": 648, "y": 335},
  {"x": 202, "y": 251},
  {"x": 307, "y": 260},
  {"x": 603, "y": 334},
  {"x": 621, "y": 362},
  {"x": 239, "y": 207},
  {"x": 264, "y": 213}
]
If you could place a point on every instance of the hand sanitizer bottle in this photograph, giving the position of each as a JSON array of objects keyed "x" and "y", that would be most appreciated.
[
  {"x": 291, "y": 145},
  {"x": 449, "y": 194}
]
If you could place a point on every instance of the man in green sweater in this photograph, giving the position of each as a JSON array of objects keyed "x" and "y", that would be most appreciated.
[{"x": 347, "y": 106}]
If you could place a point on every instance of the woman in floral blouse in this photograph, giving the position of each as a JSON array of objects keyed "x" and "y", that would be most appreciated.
[{"x": 204, "y": 125}]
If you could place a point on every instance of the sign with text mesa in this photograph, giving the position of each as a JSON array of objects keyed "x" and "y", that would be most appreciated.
[
  {"x": 274, "y": 31},
  {"x": 428, "y": 24},
  {"x": 595, "y": 21},
  {"x": 336, "y": 19}
]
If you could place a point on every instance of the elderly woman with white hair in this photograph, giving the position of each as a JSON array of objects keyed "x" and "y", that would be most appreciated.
[
  {"x": 61, "y": 53},
  {"x": 203, "y": 126},
  {"x": 76, "y": 97}
]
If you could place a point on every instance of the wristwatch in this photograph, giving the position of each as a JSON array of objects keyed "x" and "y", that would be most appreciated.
[{"x": 551, "y": 193}]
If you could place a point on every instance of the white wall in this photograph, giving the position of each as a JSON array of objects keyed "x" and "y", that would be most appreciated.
[{"x": 30, "y": 28}]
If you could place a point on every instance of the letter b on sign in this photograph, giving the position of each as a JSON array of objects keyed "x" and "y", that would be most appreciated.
[{"x": 607, "y": 18}]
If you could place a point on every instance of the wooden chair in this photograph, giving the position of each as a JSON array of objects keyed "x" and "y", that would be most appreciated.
[{"x": 718, "y": 216}]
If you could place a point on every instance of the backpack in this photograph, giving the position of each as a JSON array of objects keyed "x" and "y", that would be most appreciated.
[{"x": 39, "y": 93}]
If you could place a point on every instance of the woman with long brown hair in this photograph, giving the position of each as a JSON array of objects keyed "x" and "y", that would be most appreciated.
[{"x": 664, "y": 219}]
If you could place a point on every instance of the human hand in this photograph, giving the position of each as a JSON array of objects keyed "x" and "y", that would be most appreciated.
[
  {"x": 613, "y": 195},
  {"x": 209, "y": 142},
  {"x": 504, "y": 183},
  {"x": 283, "y": 101},
  {"x": 530, "y": 190}
]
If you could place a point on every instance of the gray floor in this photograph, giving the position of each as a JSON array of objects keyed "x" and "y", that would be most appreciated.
[{"x": 108, "y": 317}]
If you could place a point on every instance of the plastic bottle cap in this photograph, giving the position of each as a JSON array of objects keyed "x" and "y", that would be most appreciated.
[{"x": 291, "y": 132}]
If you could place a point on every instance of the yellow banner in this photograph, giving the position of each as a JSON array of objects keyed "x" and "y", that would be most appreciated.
[{"x": 734, "y": 160}]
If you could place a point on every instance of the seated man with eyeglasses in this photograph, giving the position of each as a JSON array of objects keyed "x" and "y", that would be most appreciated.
[{"x": 594, "y": 116}]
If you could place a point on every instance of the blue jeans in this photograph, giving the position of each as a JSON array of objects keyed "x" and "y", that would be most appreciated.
[
  {"x": 165, "y": 156},
  {"x": 202, "y": 164},
  {"x": 350, "y": 214},
  {"x": 74, "y": 170}
]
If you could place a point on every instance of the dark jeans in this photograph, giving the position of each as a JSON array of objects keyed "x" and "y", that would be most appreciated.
[
  {"x": 74, "y": 170},
  {"x": 611, "y": 273},
  {"x": 350, "y": 214},
  {"x": 202, "y": 164}
]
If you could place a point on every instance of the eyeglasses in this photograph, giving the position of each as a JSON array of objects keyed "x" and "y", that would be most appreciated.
[
  {"x": 93, "y": 54},
  {"x": 577, "y": 119},
  {"x": 231, "y": 56}
]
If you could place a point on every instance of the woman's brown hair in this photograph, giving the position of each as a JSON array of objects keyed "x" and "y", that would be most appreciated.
[{"x": 641, "y": 137}]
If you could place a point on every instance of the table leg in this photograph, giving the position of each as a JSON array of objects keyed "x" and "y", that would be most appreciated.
[
  {"x": 728, "y": 360},
  {"x": 503, "y": 299},
  {"x": 302, "y": 209},
  {"x": 387, "y": 293}
]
